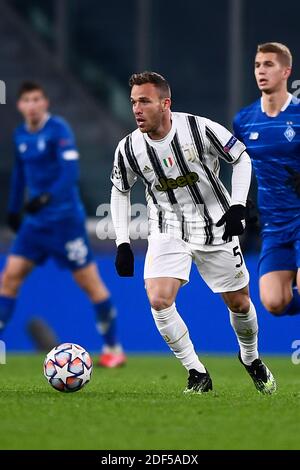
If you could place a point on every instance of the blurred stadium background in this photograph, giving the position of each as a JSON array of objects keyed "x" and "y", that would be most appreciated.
[{"x": 83, "y": 53}]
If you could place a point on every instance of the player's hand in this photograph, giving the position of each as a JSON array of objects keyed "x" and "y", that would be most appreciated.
[
  {"x": 294, "y": 179},
  {"x": 14, "y": 221},
  {"x": 37, "y": 203},
  {"x": 124, "y": 260},
  {"x": 234, "y": 220}
]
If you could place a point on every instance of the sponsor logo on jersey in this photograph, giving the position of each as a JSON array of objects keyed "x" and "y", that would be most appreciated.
[
  {"x": 289, "y": 133},
  {"x": 147, "y": 169},
  {"x": 253, "y": 135},
  {"x": 180, "y": 182},
  {"x": 229, "y": 144}
]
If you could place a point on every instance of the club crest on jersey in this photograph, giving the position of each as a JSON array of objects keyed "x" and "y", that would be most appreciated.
[
  {"x": 253, "y": 135},
  {"x": 189, "y": 153},
  {"x": 229, "y": 144},
  {"x": 168, "y": 162},
  {"x": 41, "y": 144},
  {"x": 289, "y": 133},
  {"x": 171, "y": 183}
]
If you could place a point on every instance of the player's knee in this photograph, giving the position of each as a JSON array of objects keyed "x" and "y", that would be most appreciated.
[
  {"x": 159, "y": 302},
  {"x": 275, "y": 306},
  {"x": 239, "y": 304}
]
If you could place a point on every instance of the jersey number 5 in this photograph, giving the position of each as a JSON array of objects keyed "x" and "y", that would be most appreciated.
[{"x": 236, "y": 252}]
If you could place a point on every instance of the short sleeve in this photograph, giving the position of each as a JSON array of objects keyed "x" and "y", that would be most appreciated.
[
  {"x": 222, "y": 143},
  {"x": 122, "y": 176}
]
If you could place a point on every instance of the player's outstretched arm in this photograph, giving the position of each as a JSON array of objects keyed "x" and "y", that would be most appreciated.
[
  {"x": 120, "y": 211},
  {"x": 234, "y": 218}
]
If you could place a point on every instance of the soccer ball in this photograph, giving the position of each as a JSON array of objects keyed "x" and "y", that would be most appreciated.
[{"x": 68, "y": 367}]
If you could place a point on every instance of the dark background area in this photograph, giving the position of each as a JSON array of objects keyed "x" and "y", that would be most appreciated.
[{"x": 84, "y": 52}]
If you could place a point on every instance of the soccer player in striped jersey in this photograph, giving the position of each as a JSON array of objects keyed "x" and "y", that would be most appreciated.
[
  {"x": 191, "y": 218},
  {"x": 270, "y": 128},
  {"x": 46, "y": 164}
]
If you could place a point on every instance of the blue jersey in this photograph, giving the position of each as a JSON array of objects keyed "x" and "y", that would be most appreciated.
[
  {"x": 273, "y": 143},
  {"x": 46, "y": 161}
]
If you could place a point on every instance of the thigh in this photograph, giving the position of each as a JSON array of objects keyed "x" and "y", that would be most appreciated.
[
  {"x": 14, "y": 272},
  {"x": 167, "y": 257},
  {"x": 222, "y": 267},
  {"x": 70, "y": 246},
  {"x": 162, "y": 289},
  {"x": 276, "y": 286}
]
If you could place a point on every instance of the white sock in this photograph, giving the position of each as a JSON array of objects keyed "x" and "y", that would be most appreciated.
[
  {"x": 175, "y": 333},
  {"x": 246, "y": 329}
]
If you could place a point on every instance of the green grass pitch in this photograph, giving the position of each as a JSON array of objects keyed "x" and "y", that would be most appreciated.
[{"x": 141, "y": 406}]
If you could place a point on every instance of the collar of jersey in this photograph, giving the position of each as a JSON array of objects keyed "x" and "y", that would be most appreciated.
[
  {"x": 289, "y": 99},
  {"x": 166, "y": 140},
  {"x": 42, "y": 125}
]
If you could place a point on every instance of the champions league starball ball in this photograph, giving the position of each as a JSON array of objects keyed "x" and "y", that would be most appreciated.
[{"x": 68, "y": 367}]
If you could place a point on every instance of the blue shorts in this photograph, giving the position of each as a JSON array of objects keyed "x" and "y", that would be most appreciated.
[
  {"x": 65, "y": 240},
  {"x": 280, "y": 250}
]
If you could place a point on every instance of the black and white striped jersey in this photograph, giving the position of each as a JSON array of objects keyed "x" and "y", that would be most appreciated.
[{"x": 181, "y": 175}]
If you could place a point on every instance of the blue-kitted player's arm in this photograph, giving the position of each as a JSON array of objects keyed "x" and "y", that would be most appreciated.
[
  {"x": 67, "y": 156},
  {"x": 236, "y": 128},
  {"x": 16, "y": 195}
]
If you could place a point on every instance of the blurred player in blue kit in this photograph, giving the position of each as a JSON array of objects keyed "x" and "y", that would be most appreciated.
[
  {"x": 46, "y": 165},
  {"x": 270, "y": 128}
]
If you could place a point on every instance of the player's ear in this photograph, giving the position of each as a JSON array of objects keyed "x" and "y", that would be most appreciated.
[
  {"x": 287, "y": 72},
  {"x": 166, "y": 104}
]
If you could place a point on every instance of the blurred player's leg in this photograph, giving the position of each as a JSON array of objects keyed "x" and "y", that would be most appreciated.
[
  {"x": 89, "y": 280},
  {"x": 162, "y": 293},
  {"x": 277, "y": 294},
  {"x": 13, "y": 275}
]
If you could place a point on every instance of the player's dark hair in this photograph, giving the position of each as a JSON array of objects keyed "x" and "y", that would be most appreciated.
[
  {"x": 282, "y": 51},
  {"x": 28, "y": 86},
  {"x": 151, "y": 77}
]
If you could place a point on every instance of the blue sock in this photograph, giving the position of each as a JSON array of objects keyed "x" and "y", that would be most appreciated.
[
  {"x": 293, "y": 307},
  {"x": 106, "y": 321},
  {"x": 7, "y": 305}
]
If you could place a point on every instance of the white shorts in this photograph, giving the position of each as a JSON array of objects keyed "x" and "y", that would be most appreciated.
[{"x": 222, "y": 267}]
